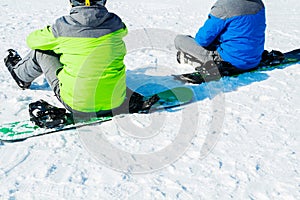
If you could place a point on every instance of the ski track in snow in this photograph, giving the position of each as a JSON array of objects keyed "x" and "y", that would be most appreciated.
[{"x": 257, "y": 152}]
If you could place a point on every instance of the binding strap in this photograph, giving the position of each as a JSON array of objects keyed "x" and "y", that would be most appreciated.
[{"x": 46, "y": 115}]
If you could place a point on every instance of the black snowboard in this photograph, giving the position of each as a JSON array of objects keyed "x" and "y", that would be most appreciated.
[{"x": 198, "y": 77}]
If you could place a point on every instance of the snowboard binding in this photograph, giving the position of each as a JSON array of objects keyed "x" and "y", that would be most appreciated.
[
  {"x": 137, "y": 104},
  {"x": 271, "y": 58},
  {"x": 12, "y": 60},
  {"x": 184, "y": 58},
  {"x": 45, "y": 115}
]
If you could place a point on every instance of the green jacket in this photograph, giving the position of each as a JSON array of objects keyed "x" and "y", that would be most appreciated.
[{"x": 92, "y": 51}]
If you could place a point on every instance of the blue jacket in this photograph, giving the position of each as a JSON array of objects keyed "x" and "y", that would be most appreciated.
[{"x": 237, "y": 29}]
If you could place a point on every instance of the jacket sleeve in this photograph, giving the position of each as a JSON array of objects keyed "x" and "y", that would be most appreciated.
[
  {"x": 211, "y": 29},
  {"x": 42, "y": 39}
]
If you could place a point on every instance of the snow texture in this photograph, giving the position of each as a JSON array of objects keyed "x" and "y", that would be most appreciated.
[{"x": 249, "y": 124}]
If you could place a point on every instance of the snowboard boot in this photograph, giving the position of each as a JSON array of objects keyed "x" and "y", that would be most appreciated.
[
  {"x": 209, "y": 71},
  {"x": 218, "y": 68},
  {"x": 137, "y": 103},
  {"x": 271, "y": 58},
  {"x": 184, "y": 58},
  {"x": 12, "y": 60}
]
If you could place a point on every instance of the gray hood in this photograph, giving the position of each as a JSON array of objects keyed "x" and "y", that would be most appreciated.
[{"x": 87, "y": 21}]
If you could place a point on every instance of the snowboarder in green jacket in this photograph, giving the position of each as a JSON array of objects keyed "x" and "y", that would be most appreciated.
[{"x": 81, "y": 56}]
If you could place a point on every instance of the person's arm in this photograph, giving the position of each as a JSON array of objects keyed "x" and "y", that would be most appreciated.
[
  {"x": 210, "y": 31},
  {"x": 42, "y": 39}
]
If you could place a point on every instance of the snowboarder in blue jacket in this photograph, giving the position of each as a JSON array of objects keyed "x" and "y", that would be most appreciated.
[{"x": 234, "y": 33}]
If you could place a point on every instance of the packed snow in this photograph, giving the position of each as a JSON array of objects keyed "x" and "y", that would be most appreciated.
[{"x": 238, "y": 139}]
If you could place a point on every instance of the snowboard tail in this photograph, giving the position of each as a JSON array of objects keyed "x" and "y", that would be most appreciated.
[{"x": 22, "y": 130}]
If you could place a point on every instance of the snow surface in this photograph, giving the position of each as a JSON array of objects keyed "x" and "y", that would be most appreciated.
[{"x": 239, "y": 139}]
